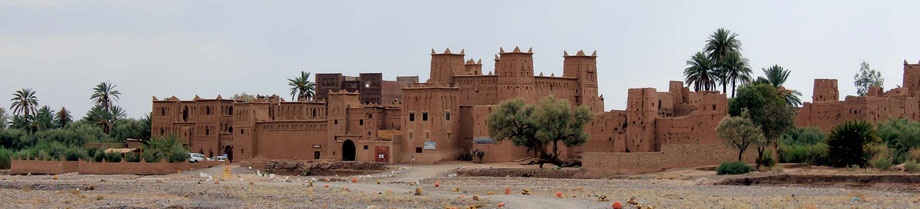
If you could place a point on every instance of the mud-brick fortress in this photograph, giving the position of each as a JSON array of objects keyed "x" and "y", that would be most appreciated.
[
  {"x": 826, "y": 110},
  {"x": 404, "y": 121}
]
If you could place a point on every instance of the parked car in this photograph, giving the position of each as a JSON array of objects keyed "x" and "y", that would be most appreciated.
[
  {"x": 221, "y": 157},
  {"x": 195, "y": 157}
]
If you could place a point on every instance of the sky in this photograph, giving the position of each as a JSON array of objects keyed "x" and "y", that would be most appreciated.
[{"x": 62, "y": 49}]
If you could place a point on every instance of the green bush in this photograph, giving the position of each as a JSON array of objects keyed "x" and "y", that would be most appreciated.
[
  {"x": 113, "y": 157},
  {"x": 731, "y": 168},
  {"x": 74, "y": 154},
  {"x": 901, "y": 135},
  {"x": 847, "y": 143},
  {"x": 912, "y": 166},
  {"x": 881, "y": 162},
  {"x": 24, "y": 155},
  {"x": 5, "y": 158},
  {"x": 178, "y": 154},
  {"x": 132, "y": 157},
  {"x": 796, "y": 136},
  {"x": 150, "y": 157},
  {"x": 43, "y": 155},
  {"x": 99, "y": 156},
  {"x": 803, "y": 153},
  {"x": 767, "y": 160}
]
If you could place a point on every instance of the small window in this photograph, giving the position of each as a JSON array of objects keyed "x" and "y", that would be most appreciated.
[
  {"x": 207, "y": 110},
  {"x": 365, "y": 147},
  {"x": 713, "y": 107},
  {"x": 418, "y": 150},
  {"x": 448, "y": 136},
  {"x": 315, "y": 154},
  {"x": 361, "y": 122},
  {"x": 424, "y": 116},
  {"x": 411, "y": 135},
  {"x": 427, "y": 135},
  {"x": 368, "y": 133},
  {"x": 447, "y": 116},
  {"x": 411, "y": 116},
  {"x": 335, "y": 121},
  {"x": 242, "y": 131}
]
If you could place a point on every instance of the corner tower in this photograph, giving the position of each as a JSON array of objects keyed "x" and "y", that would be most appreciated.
[
  {"x": 444, "y": 66},
  {"x": 584, "y": 68},
  {"x": 912, "y": 78},
  {"x": 515, "y": 74}
]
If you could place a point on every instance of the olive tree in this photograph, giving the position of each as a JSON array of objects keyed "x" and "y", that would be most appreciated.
[
  {"x": 740, "y": 133},
  {"x": 549, "y": 122}
]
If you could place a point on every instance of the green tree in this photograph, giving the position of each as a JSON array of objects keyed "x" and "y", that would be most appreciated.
[
  {"x": 848, "y": 143},
  {"x": 24, "y": 102},
  {"x": 44, "y": 118},
  {"x": 301, "y": 87},
  {"x": 548, "y": 123},
  {"x": 168, "y": 147},
  {"x": 901, "y": 135},
  {"x": 701, "y": 73},
  {"x": 104, "y": 94},
  {"x": 735, "y": 69},
  {"x": 766, "y": 109},
  {"x": 867, "y": 77},
  {"x": 62, "y": 118},
  {"x": 4, "y": 118},
  {"x": 776, "y": 75},
  {"x": 739, "y": 133},
  {"x": 720, "y": 45},
  {"x": 244, "y": 97}
]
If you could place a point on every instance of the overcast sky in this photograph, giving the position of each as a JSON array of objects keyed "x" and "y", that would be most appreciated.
[{"x": 62, "y": 49}]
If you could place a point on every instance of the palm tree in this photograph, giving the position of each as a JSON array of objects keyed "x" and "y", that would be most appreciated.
[
  {"x": 24, "y": 101},
  {"x": 62, "y": 118},
  {"x": 118, "y": 113},
  {"x": 104, "y": 94},
  {"x": 736, "y": 69},
  {"x": 301, "y": 87},
  {"x": 700, "y": 73},
  {"x": 44, "y": 118},
  {"x": 776, "y": 75},
  {"x": 720, "y": 46}
]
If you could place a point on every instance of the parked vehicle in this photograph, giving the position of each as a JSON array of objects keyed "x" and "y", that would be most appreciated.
[
  {"x": 221, "y": 157},
  {"x": 195, "y": 157}
]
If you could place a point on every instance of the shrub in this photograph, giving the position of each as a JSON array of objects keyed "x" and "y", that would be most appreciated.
[
  {"x": 796, "y": 136},
  {"x": 913, "y": 154},
  {"x": 74, "y": 154},
  {"x": 881, "y": 162},
  {"x": 767, "y": 160},
  {"x": 24, "y": 155},
  {"x": 901, "y": 135},
  {"x": 912, "y": 166},
  {"x": 43, "y": 155},
  {"x": 132, "y": 157},
  {"x": 98, "y": 156},
  {"x": 736, "y": 167},
  {"x": 847, "y": 143},
  {"x": 178, "y": 154},
  {"x": 150, "y": 157},
  {"x": 803, "y": 153},
  {"x": 113, "y": 157},
  {"x": 5, "y": 157}
]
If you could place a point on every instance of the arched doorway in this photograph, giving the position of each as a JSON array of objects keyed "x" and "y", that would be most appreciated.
[
  {"x": 228, "y": 150},
  {"x": 348, "y": 151}
]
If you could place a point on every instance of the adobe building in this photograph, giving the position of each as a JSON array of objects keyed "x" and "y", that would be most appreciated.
[
  {"x": 826, "y": 110},
  {"x": 446, "y": 116},
  {"x": 372, "y": 87}
]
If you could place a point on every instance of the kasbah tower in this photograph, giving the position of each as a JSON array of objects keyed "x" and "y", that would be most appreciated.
[{"x": 443, "y": 118}]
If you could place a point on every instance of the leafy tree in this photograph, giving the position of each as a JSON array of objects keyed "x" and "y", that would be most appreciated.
[
  {"x": 901, "y": 135},
  {"x": 867, "y": 77},
  {"x": 766, "y": 109},
  {"x": 739, "y": 133},
  {"x": 548, "y": 123},
  {"x": 168, "y": 147},
  {"x": 62, "y": 118},
  {"x": 244, "y": 97},
  {"x": 104, "y": 94},
  {"x": 720, "y": 46},
  {"x": 847, "y": 143},
  {"x": 735, "y": 69},
  {"x": 777, "y": 76},
  {"x": 802, "y": 136},
  {"x": 4, "y": 118},
  {"x": 24, "y": 102},
  {"x": 301, "y": 87},
  {"x": 701, "y": 73}
]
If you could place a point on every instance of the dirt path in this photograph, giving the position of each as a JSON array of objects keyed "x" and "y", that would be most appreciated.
[{"x": 402, "y": 181}]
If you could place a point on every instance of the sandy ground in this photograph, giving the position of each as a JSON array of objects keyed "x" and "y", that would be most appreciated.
[{"x": 683, "y": 188}]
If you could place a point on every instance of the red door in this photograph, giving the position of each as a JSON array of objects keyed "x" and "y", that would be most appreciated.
[{"x": 383, "y": 154}]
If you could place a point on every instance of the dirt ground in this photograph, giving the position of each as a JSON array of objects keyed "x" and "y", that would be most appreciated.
[{"x": 677, "y": 188}]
